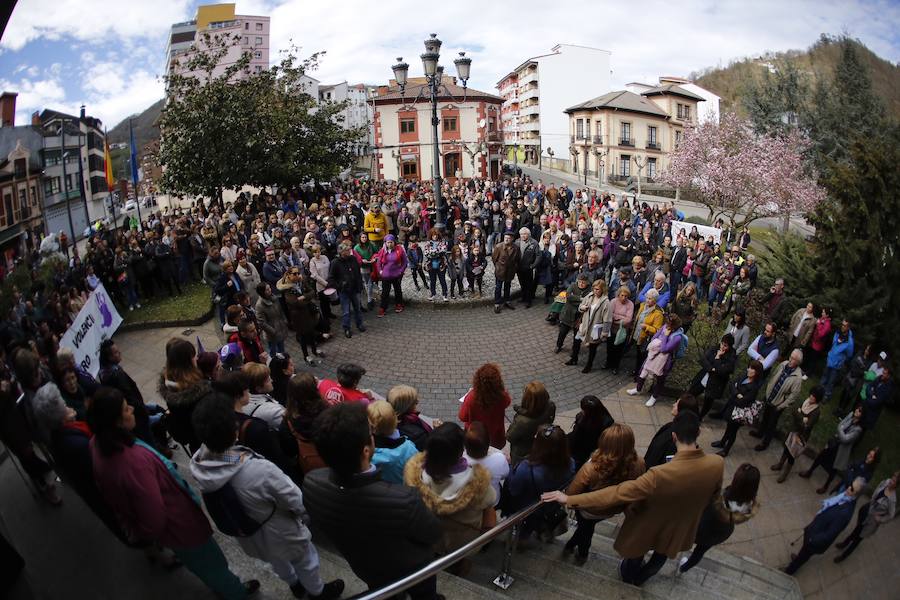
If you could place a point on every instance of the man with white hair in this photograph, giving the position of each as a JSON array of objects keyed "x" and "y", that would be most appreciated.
[
  {"x": 783, "y": 390},
  {"x": 530, "y": 255},
  {"x": 829, "y": 522}
]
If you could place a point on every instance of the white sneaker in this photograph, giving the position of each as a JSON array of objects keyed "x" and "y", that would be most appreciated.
[
  {"x": 446, "y": 299},
  {"x": 138, "y": 305},
  {"x": 633, "y": 392},
  {"x": 681, "y": 563},
  {"x": 650, "y": 401},
  {"x": 431, "y": 298}
]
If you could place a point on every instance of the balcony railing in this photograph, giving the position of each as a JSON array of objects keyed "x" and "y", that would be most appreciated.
[
  {"x": 653, "y": 145},
  {"x": 598, "y": 139},
  {"x": 626, "y": 142},
  {"x": 581, "y": 138},
  {"x": 492, "y": 136}
]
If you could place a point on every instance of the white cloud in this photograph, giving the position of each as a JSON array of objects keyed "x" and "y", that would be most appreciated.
[
  {"x": 34, "y": 95},
  {"x": 104, "y": 78},
  {"x": 90, "y": 20}
]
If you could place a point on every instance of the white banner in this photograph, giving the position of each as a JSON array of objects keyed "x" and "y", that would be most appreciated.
[
  {"x": 684, "y": 228},
  {"x": 96, "y": 321}
]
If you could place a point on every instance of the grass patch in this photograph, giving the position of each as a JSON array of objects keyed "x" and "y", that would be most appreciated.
[
  {"x": 193, "y": 303},
  {"x": 762, "y": 239}
]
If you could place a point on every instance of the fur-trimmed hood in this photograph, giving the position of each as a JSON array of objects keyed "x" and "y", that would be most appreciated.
[
  {"x": 463, "y": 489},
  {"x": 185, "y": 397},
  {"x": 726, "y": 513}
]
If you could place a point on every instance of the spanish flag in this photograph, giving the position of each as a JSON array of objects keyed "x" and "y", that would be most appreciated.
[{"x": 110, "y": 182}]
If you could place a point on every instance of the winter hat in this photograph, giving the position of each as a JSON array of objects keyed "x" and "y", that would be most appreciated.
[
  {"x": 231, "y": 356},
  {"x": 390, "y": 238}
]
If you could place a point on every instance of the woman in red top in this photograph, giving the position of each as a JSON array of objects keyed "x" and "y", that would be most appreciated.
[
  {"x": 487, "y": 402},
  {"x": 819, "y": 344}
]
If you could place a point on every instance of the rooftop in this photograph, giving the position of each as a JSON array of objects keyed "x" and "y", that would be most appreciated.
[
  {"x": 621, "y": 100},
  {"x": 671, "y": 88},
  {"x": 456, "y": 91}
]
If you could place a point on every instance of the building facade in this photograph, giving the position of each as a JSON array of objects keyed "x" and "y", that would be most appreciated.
[
  {"x": 251, "y": 33},
  {"x": 21, "y": 194},
  {"x": 74, "y": 170},
  {"x": 537, "y": 92},
  {"x": 622, "y": 134},
  {"x": 469, "y": 132},
  {"x": 708, "y": 111},
  {"x": 359, "y": 111}
]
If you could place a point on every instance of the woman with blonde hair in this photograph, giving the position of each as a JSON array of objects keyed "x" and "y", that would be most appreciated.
[
  {"x": 405, "y": 401},
  {"x": 392, "y": 449},
  {"x": 596, "y": 320},
  {"x": 487, "y": 401},
  {"x": 614, "y": 461},
  {"x": 536, "y": 409}
]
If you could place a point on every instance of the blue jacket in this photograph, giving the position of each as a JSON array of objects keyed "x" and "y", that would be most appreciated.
[
  {"x": 840, "y": 351},
  {"x": 527, "y": 482},
  {"x": 827, "y": 526},
  {"x": 878, "y": 393},
  {"x": 663, "y": 297},
  {"x": 391, "y": 456}
]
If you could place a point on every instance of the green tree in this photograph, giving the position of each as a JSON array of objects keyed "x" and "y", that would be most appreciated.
[
  {"x": 776, "y": 101},
  {"x": 223, "y": 128}
]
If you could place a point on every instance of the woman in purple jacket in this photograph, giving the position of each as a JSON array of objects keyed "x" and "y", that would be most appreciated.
[
  {"x": 660, "y": 358},
  {"x": 151, "y": 499},
  {"x": 392, "y": 261}
]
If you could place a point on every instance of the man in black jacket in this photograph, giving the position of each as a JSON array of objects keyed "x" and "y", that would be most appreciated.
[
  {"x": 716, "y": 366},
  {"x": 384, "y": 530},
  {"x": 345, "y": 276},
  {"x": 662, "y": 446},
  {"x": 530, "y": 254},
  {"x": 679, "y": 261}
]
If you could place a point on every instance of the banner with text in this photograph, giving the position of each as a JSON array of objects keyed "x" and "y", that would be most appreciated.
[
  {"x": 96, "y": 321},
  {"x": 684, "y": 228}
]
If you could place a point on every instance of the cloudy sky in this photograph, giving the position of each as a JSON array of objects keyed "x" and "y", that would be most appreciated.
[{"x": 109, "y": 55}]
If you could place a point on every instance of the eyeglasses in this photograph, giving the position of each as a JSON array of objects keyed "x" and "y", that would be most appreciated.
[{"x": 295, "y": 272}]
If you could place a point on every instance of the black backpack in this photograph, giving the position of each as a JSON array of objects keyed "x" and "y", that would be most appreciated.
[{"x": 228, "y": 513}]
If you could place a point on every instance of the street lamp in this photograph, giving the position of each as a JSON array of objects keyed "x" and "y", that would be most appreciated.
[
  {"x": 434, "y": 75},
  {"x": 601, "y": 154}
]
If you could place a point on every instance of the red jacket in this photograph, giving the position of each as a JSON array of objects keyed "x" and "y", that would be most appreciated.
[
  {"x": 492, "y": 418},
  {"x": 334, "y": 393}
]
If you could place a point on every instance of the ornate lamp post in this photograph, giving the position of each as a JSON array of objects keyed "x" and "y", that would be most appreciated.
[
  {"x": 601, "y": 154},
  {"x": 434, "y": 78}
]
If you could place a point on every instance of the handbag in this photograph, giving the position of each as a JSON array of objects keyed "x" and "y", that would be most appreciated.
[
  {"x": 376, "y": 272},
  {"x": 794, "y": 444},
  {"x": 621, "y": 336},
  {"x": 550, "y": 518},
  {"x": 747, "y": 415}
]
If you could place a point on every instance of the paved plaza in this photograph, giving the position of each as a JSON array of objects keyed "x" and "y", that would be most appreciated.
[{"x": 436, "y": 349}]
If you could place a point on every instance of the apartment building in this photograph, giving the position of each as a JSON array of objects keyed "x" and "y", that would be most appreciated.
[
  {"x": 251, "y": 31},
  {"x": 537, "y": 92},
  {"x": 622, "y": 134},
  {"x": 359, "y": 112}
]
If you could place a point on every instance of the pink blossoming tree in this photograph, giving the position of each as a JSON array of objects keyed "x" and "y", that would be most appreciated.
[{"x": 742, "y": 176}]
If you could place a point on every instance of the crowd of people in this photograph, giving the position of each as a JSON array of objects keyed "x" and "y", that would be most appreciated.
[{"x": 275, "y": 452}]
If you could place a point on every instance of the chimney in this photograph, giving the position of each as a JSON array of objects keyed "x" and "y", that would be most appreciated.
[
  {"x": 8, "y": 109},
  {"x": 35, "y": 119},
  {"x": 82, "y": 111}
]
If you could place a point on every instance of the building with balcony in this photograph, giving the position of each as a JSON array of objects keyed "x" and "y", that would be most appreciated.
[
  {"x": 359, "y": 111},
  {"x": 710, "y": 109},
  {"x": 622, "y": 134},
  {"x": 74, "y": 170},
  {"x": 470, "y": 132},
  {"x": 246, "y": 33},
  {"x": 537, "y": 92},
  {"x": 21, "y": 194}
]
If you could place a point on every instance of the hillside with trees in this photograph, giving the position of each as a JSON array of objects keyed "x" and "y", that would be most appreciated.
[
  {"x": 817, "y": 62},
  {"x": 146, "y": 126}
]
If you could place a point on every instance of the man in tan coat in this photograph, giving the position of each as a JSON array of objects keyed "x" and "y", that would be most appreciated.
[
  {"x": 664, "y": 504},
  {"x": 782, "y": 392}
]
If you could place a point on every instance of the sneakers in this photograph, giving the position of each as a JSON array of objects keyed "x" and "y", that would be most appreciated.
[
  {"x": 633, "y": 392},
  {"x": 681, "y": 564},
  {"x": 496, "y": 309},
  {"x": 138, "y": 305},
  {"x": 446, "y": 299},
  {"x": 50, "y": 493},
  {"x": 348, "y": 333},
  {"x": 399, "y": 308},
  {"x": 380, "y": 312},
  {"x": 362, "y": 328},
  {"x": 431, "y": 298},
  {"x": 310, "y": 361},
  {"x": 650, "y": 401}
]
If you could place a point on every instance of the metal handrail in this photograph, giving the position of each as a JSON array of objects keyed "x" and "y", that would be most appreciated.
[{"x": 503, "y": 580}]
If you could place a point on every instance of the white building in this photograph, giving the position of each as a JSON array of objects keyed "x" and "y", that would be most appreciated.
[
  {"x": 710, "y": 110},
  {"x": 536, "y": 93},
  {"x": 359, "y": 112}
]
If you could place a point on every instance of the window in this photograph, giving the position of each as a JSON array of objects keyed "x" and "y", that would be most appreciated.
[
  {"x": 2, "y": 215},
  {"x": 598, "y": 129},
  {"x": 257, "y": 54},
  {"x": 684, "y": 112},
  {"x": 492, "y": 124},
  {"x": 651, "y": 168},
  {"x": 626, "y": 133},
  {"x": 16, "y": 213},
  {"x": 449, "y": 123},
  {"x": 259, "y": 26},
  {"x": 410, "y": 168},
  {"x": 24, "y": 206},
  {"x": 677, "y": 137},
  {"x": 246, "y": 25},
  {"x": 625, "y": 165},
  {"x": 579, "y": 129},
  {"x": 19, "y": 168},
  {"x": 7, "y": 209},
  {"x": 651, "y": 137},
  {"x": 34, "y": 198},
  {"x": 258, "y": 69},
  {"x": 407, "y": 126},
  {"x": 258, "y": 41},
  {"x": 246, "y": 40}
]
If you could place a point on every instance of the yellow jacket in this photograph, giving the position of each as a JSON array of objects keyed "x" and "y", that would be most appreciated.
[
  {"x": 653, "y": 321},
  {"x": 372, "y": 222}
]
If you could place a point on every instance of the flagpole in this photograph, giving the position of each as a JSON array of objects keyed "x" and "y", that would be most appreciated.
[
  {"x": 134, "y": 172},
  {"x": 107, "y": 157}
]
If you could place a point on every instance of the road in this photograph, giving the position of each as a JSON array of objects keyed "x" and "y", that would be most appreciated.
[{"x": 690, "y": 209}]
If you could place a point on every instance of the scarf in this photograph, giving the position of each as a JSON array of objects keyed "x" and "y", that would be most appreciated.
[{"x": 808, "y": 407}]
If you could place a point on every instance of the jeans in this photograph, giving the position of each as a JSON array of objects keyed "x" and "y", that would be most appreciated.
[
  {"x": 769, "y": 423},
  {"x": 701, "y": 289},
  {"x": 715, "y": 297},
  {"x": 674, "y": 282},
  {"x": 829, "y": 379},
  {"x": 433, "y": 276},
  {"x": 350, "y": 301},
  {"x": 367, "y": 283},
  {"x": 635, "y": 571},
  {"x": 583, "y": 535},
  {"x": 563, "y": 332},
  {"x": 209, "y": 564},
  {"x": 276, "y": 347},
  {"x": 526, "y": 282},
  {"x": 501, "y": 291}
]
